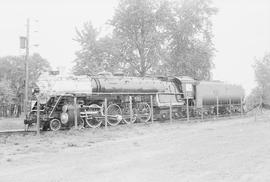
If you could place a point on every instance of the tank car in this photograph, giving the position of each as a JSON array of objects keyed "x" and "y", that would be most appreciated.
[
  {"x": 211, "y": 97},
  {"x": 217, "y": 97}
]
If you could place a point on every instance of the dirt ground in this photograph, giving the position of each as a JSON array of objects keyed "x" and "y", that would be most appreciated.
[
  {"x": 223, "y": 150},
  {"x": 11, "y": 124}
]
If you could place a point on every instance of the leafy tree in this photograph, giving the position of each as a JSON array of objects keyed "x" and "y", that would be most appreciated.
[
  {"x": 262, "y": 71},
  {"x": 97, "y": 54},
  {"x": 189, "y": 38},
  {"x": 88, "y": 60},
  {"x": 137, "y": 25},
  {"x": 262, "y": 74},
  {"x": 134, "y": 46},
  {"x": 151, "y": 37},
  {"x": 6, "y": 92},
  {"x": 253, "y": 99},
  {"x": 12, "y": 71}
]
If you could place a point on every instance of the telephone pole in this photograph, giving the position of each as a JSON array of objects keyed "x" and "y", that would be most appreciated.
[{"x": 27, "y": 64}]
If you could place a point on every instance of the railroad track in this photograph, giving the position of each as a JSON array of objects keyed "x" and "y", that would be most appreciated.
[
  {"x": 183, "y": 120},
  {"x": 17, "y": 131}
]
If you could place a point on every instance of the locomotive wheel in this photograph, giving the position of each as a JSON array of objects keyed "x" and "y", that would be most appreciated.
[
  {"x": 144, "y": 111},
  {"x": 114, "y": 114},
  {"x": 55, "y": 124},
  {"x": 93, "y": 122},
  {"x": 126, "y": 117}
]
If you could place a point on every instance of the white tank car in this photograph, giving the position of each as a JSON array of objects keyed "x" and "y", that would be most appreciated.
[{"x": 207, "y": 93}]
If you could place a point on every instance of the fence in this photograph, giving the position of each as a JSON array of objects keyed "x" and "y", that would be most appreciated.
[{"x": 189, "y": 110}]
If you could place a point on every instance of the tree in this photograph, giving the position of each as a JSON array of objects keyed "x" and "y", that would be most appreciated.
[
  {"x": 6, "y": 97},
  {"x": 189, "y": 38},
  {"x": 253, "y": 99},
  {"x": 151, "y": 37},
  {"x": 6, "y": 92},
  {"x": 262, "y": 71},
  {"x": 262, "y": 75},
  {"x": 97, "y": 54},
  {"x": 12, "y": 71},
  {"x": 88, "y": 58},
  {"x": 137, "y": 27}
]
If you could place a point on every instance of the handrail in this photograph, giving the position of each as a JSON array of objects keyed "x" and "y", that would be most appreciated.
[
  {"x": 58, "y": 100},
  {"x": 123, "y": 93}
]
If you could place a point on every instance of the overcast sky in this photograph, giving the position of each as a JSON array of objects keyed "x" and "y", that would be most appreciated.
[{"x": 241, "y": 29}]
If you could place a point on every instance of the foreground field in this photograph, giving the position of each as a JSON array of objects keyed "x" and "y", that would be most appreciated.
[{"x": 225, "y": 150}]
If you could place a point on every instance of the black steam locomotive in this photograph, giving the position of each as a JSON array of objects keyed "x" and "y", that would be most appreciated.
[{"x": 128, "y": 99}]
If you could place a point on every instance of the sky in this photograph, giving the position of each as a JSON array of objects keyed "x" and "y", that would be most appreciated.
[{"x": 241, "y": 31}]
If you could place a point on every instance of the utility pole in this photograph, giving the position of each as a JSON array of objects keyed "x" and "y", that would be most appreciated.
[{"x": 27, "y": 64}]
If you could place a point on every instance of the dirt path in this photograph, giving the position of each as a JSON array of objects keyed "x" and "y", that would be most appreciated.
[{"x": 232, "y": 150}]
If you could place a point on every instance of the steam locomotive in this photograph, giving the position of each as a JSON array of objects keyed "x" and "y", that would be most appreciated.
[{"x": 127, "y": 99}]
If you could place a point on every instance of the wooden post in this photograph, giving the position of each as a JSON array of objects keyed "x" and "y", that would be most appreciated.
[
  {"x": 38, "y": 116},
  {"x": 202, "y": 114},
  {"x": 170, "y": 111},
  {"x": 230, "y": 102},
  {"x": 253, "y": 110},
  {"x": 152, "y": 109},
  {"x": 217, "y": 106},
  {"x": 187, "y": 109},
  {"x": 106, "y": 112},
  {"x": 241, "y": 106},
  {"x": 255, "y": 118},
  {"x": 130, "y": 108},
  {"x": 75, "y": 112},
  {"x": 27, "y": 65},
  {"x": 261, "y": 104}
]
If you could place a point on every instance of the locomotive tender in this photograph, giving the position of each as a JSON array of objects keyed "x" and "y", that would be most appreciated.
[{"x": 128, "y": 99}]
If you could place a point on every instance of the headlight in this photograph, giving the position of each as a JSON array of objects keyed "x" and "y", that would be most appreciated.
[{"x": 64, "y": 118}]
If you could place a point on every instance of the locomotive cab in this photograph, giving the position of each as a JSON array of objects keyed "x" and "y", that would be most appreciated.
[{"x": 189, "y": 86}]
